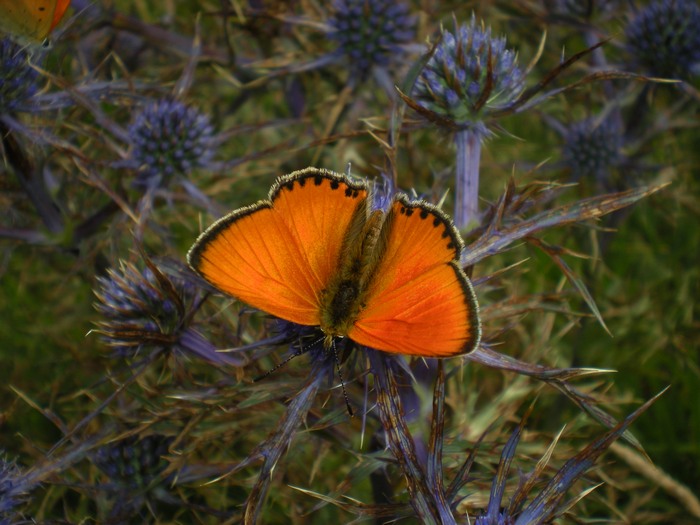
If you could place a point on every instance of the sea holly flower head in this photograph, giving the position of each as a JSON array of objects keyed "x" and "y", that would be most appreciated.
[
  {"x": 169, "y": 138},
  {"x": 143, "y": 307},
  {"x": 469, "y": 75},
  {"x": 664, "y": 38},
  {"x": 583, "y": 10},
  {"x": 132, "y": 462},
  {"x": 13, "y": 490},
  {"x": 18, "y": 80},
  {"x": 154, "y": 308},
  {"x": 140, "y": 306},
  {"x": 592, "y": 147},
  {"x": 134, "y": 467},
  {"x": 370, "y": 33}
]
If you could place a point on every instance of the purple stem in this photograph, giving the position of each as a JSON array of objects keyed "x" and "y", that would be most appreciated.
[
  {"x": 468, "y": 143},
  {"x": 196, "y": 343}
]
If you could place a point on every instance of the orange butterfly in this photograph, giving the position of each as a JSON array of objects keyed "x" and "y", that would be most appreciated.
[
  {"x": 31, "y": 20},
  {"x": 316, "y": 254}
]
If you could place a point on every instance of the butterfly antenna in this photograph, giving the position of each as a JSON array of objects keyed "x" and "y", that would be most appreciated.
[
  {"x": 302, "y": 350},
  {"x": 342, "y": 383},
  {"x": 278, "y": 366}
]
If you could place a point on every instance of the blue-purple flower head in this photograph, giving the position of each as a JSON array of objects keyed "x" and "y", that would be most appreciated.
[
  {"x": 664, "y": 38},
  {"x": 169, "y": 138},
  {"x": 584, "y": 10},
  {"x": 18, "y": 80},
  {"x": 592, "y": 148},
  {"x": 141, "y": 307},
  {"x": 13, "y": 490},
  {"x": 370, "y": 32},
  {"x": 469, "y": 75},
  {"x": 132, "y": 462}
]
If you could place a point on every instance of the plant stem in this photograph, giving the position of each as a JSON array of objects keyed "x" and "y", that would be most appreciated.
[{"x": 468, "y": 142}]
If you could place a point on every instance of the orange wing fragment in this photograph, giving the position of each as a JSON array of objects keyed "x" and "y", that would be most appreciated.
[
  {"x": 278, "y": 255},
  {"x": 419, "y": 301},
  {"x": 31, "y": 20},
  {"x": 61, "y": 7}
]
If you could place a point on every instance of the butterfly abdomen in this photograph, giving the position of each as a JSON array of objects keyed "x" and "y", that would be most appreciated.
[{"x": 343, "y": 297}]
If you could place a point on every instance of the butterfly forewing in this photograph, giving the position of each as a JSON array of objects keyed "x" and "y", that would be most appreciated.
[
  {"x": 61, "y": 7},
  {"x": 31, "y": 19},
  {"x": 318, "y": 207},
  {"x": 279, "y": 255},
  {"x": 419, "y": 301}
]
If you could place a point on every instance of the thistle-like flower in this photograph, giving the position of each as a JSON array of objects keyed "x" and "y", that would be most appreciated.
[
  {"x": 13, "y": 490},
  {"x": 664, "y": 38},
  {"x": 370, "y": 33},
  {"x": 575, "y": 9},
  {"x": 140, "y": 306},
  {"x": 592, "y": 148},
  {"x": 18, "y": 80},
  {"x": 134, "y": 463},
  {"x": 135, "y": 470},
  {"x": 469, "y": 75},
  {"x": 168, "y": 139},
  {"x": 150, "y": 308}
]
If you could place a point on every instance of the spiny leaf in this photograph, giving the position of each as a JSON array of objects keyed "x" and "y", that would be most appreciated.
[
  {"x": 588, "y": 79},
  {"x": 271, "y": 450},
  {"x": 546, "y": 80},
  {"x": 556, "y": 377},
  {"x": 423, "y": 498},
  {"x": 543, "y": 507},
  {"x": 553, "y": 253},
  {"x": 496, "y": 240}
]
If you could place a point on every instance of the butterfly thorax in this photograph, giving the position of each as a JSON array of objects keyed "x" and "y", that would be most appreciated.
[
  {"x": 342, "y": 307},
  {"x": 343, "y": 298}
]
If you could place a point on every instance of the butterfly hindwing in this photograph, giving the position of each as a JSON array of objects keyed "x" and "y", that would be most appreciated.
[
  {"x": 279, "y": 255},
  {"x": 419, "y": 301}
]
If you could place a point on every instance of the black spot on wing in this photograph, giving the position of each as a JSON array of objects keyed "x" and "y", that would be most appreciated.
[
  {"x": 440, "y": 220},
  {"x": 350, "y": 187}
]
